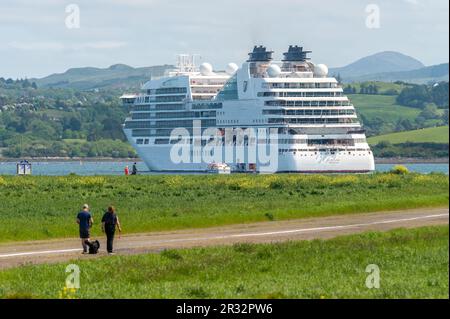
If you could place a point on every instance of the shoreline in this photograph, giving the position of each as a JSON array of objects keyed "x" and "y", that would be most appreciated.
[
  {"x": 410, "y": 160},
  {"x": 378, "y": 160},
  {"x": 69, "y": 160}
]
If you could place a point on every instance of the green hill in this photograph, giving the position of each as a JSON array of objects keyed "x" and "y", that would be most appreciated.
[
  {"x": 391, "y": 66},
  {"x": 383, "y": 106},
  {"x": 380, "y": 113},
  {"x": 434, "y": 73},
  {"x": 388, "y": 61},
  {"x": 116, "y": 76},
  {"x": 427, "y": 135}
]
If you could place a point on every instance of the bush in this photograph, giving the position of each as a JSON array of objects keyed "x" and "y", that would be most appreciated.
[{"x": 399, "y": 170}]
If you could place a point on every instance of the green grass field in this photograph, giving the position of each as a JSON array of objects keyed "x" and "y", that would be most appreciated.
[
  {"x": 426, "y": 135},
  {"x": 383, "y": 87},
  {"x": 382, "y": 106},
  {"x": 44, "y": 207},
  {"x": 413, "y": 264}
]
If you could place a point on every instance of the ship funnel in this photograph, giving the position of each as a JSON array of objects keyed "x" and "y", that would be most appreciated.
[
  {"x": 260, "y": 54},
  {"x": 296, "y": 53}
]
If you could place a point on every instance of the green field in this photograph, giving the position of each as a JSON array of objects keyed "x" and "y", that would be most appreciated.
[
  {"x": 382, "y": 106},
  {"x": 412, "y": 264},
  {"x": 43, "y": 207},
  {"x": 383, "y": 87},
  {"x": 426, "y": 135}
]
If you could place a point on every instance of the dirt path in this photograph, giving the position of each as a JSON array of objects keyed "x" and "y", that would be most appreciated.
[{"x": 16, "y": 254}]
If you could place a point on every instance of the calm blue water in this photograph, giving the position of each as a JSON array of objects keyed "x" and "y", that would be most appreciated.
[
  {"x": 117, "y": 168},
  {"x": 418, "y": 168}
]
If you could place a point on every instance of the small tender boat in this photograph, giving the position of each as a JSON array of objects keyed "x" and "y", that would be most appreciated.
[{"x": 219, "y": 168}]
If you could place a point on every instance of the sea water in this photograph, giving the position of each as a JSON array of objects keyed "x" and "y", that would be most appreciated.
[{"x": 117, "y": 168}]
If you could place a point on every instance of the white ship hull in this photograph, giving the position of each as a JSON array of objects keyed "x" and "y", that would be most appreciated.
[{"x": 157, "y": 158}]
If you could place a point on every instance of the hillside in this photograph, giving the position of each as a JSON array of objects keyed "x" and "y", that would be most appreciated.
[
  {"x": 426, "y": 135},
  {"x": 372, "y": 106},
  {"x": 116, "y": 76},
  {"x": 385, "y": 66},
  {"x": 380, "y": 113},
  {"x": 434, "y": 73},
  {"x": 387, "y": 61},
  {"x": 391, "y": 66}
]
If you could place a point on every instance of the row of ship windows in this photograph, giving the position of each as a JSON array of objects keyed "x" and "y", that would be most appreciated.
[
  {"x": 309, "y": 142},
  {"x": 212, "y": 105},
  {"x": 282, "y": 103},
  {"x": 179, "y": 98},
  {"x": 171, "y": 90},
  {"x": 170, "y": 98},
  {"x": 284, "y": 150},
  {"x": 142, "y": 141},
  {"x": 139, "y": 132},
  {"x": 206, "y": 82},
  {"x": 168, "y": 124},
  {"x": 205, "y": 91},
  {"x": 204, "y": 142},
  {"x": 311, "y": 152},
  {"x": 227, "y": 121},
  {"x": 331, "y": 151},
  {"x": 233, "y": 142},
  {"x": 288, "y": 85},
  {"x": 173, "y": 98},
  {"x": 259, "y": 121},
  {"x": 174, "y": 107},
  {"x": 294, "y": 151},
  {"x": 198, "y": 98},
  {"x": 298, "y": 121},
  {"x": 144, "y": 116},
  {"x": 309, "y": 112},
  {"x": 180, "y": 107},
  {"x": 158, "y": 107},
  {"x": 300, "y": 94},
  {"x": 312, "y": 121}
]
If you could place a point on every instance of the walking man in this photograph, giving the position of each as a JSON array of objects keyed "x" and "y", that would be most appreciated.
[
  {"x": 134, "y": 169},
  {"x": 110, "y": 222},
  {"x": 85, "y": 221}
]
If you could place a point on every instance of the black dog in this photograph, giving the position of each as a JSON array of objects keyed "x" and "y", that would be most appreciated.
[{"x": 94, "y": 246}]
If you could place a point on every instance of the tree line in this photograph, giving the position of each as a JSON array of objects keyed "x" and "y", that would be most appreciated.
[{"x": 61, "y": 122}]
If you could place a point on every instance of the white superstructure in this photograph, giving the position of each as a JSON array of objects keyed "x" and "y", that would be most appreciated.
[{"x": 290, "y": 111}]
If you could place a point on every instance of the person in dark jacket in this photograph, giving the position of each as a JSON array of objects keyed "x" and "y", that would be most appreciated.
[
  {"x": 134, "y": 169},
  {"x": 110, "y": 222},
  {"x": 85, "y": 221}
]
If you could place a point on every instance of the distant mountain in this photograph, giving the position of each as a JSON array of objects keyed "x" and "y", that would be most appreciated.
[
  {"x": 387, "y": 61},
  {"x": 434, "y": 73},
  {"x": 118, "y": 75},
  {"x": 385, "y": 66}
]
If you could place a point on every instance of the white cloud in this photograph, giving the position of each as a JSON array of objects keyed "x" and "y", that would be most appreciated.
[
  {"x": 102, "y": 45},
  {"x": 132, "y": 3},
  {"x": 31, "y": 46},
  {"x": 414, "y": 2}
]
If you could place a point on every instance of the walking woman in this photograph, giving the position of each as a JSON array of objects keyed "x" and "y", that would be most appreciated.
[{"x": 110, "y": 222}]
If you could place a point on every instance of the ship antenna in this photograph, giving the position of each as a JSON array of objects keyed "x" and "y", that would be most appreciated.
[{"x": 186, "y": 62}]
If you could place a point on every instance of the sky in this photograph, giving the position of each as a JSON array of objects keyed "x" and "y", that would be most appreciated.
[{"x": 41, "y": 37}]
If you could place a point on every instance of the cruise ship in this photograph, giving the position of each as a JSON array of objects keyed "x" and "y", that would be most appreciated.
[{"x": 265, "y": 116}]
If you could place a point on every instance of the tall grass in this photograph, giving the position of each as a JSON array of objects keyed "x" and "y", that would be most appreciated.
[{"x": 43, "y": 207}]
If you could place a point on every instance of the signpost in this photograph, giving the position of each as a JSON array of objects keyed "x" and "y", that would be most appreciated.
[{"x": 24, "y": 168}]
